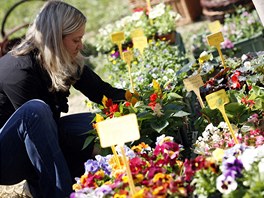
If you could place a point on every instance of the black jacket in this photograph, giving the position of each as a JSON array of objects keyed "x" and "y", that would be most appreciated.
[{"x": 22, "y": 79}]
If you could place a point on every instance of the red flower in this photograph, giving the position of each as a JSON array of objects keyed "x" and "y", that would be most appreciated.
[
  {"x": 114, "y": 108},
  {"x": 153, "y": 97}
]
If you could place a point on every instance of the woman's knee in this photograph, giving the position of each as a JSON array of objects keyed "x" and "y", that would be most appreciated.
[{"x": 36, "y": 108}]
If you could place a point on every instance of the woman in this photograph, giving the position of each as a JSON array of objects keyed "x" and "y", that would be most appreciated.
[{"x": 36, "y": 144}]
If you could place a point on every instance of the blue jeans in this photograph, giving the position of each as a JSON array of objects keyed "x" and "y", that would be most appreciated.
[{"x": 47, "y": 154}]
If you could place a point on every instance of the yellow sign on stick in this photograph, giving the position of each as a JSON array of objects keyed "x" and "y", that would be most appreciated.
[
  {"x": 137, "y": 33},
  {"x": 118, "y": 38},
  {"x": 215, "y": 26},
  {"x": 217, "y": 100},
  {"x": 140, "y": 43},
  {"x": 128, "y": 57},
  {"x": 118, "y": 131},
  {"x": 193, "y": 83},
  {"x": 215, "y": 40}
]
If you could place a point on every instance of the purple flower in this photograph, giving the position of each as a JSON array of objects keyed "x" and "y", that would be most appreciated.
[
  {"x": 227, "y": 44},
  {"x": 232, "y": 167},
  {"x": 103, "y": 190},
  {"x": 91, "y": 166}
]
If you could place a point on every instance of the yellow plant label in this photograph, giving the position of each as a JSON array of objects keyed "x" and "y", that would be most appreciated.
[
  {"x": 215, "y": 26},
  {"x": 119, "y": 130},
  {"x": 128, "y": 56},
  {"x": 118, "y": 37},
  {"x": 215, "y": 39},
  {"x": 193, "y": 82},
  {"x": 140, "y": 43},
  {"x": 217, "y": 99},
  {"x": 137, "y": 33}
]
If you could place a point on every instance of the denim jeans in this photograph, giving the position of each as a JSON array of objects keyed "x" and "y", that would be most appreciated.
[{"x": 47, "y": 154}]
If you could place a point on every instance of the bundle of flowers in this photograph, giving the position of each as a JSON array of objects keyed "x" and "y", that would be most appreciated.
[
  {"x": 161, "y": 19},
  {"x": 234, "y": 172},
  {"x": 159, "y": 111},
  {"x": 159, "y": 62},
  {"x": 156, "y": 172}
]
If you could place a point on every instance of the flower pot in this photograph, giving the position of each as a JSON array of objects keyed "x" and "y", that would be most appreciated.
[{"x": 253, "y": 44}]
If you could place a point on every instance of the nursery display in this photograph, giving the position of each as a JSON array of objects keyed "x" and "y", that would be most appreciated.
[
  {"x": 243, "y": 32},
  {"x": 159, "y": 21},
  {"x": 219, "y": 166}
]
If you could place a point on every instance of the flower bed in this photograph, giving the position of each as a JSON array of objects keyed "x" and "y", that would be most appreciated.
[
  {"x": 237, "y": 29},
  {"x": 219, "y": 166}
]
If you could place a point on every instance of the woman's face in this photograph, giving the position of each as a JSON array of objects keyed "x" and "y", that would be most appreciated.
[{"x": 73, "y": 42}]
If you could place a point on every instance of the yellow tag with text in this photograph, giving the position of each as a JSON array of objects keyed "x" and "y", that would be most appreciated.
[
  {"x": 128, "y": 56},
  {"x": 119, "y": 130},
  {"x": 217, "y": 99},
  {"x": 118, "y": 37},
  {"x": 215, "y": 39},
  {"x": 137, "y": 33},
  {"x": 215, "y": 26},
  {"x": 140, "y": 43},
  {"x": 193, "y": 83}
]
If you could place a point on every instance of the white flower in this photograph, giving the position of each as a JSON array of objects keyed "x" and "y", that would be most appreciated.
[
  {"x": 248, "y": 157},
  {"x": 157, "y": 11},
  {"x": 136, "y": 15},
  {"x": 244, "y": 57},
  {"x": 226, "y": 184}
]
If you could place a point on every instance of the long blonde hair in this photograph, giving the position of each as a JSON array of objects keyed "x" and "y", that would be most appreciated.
[{"x": 55, "y": 20}]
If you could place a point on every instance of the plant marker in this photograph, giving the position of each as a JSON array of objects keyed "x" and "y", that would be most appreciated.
[
  {"x": 217, "y": 100},
  {"x": 118, "y": 131},
  {"x": 128, "y": 57},
  {"x": 116, "y": 158},
  {"x": 214, "y": 40},
  {"x": 215, "y": 26},
  {"x": 193, "y": 83},
  {"x": 137, "y": 33},
  {"x": 140, "y": 43},
  {"x": 118, "y": 38}
]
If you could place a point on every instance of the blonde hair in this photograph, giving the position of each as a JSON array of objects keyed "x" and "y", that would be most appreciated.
[{"x": 55, "y": 20}]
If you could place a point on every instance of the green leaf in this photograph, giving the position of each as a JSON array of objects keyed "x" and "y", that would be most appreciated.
[
  {"x": 88, "y": 141},
  {"x": 180, "y": 114},
  {"x": 159, "y": 125},
  {"x": 172, "y": 96}
]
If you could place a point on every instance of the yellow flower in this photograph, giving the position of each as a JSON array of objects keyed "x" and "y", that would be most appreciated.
[
  {"x": 100, "y": 173},
  {"x": 218, "y": 154},
  {"x": 135, "y": 62},
  {"x": 139, "y": 194},
  {"x": 158, "y": 176},
  {"x": 119, "y": 196},
  {"x": 114, "y": 62},
  {"x": 140, "y": 147},
  {"x": 133, "y": 98},
  {"x": 76, "y": 187},
  {"x": 139, "y": 178},
  {"x": 125, "y": 179},
  {"x": 104, "y": 100},
  {"x": 156, "y": 87},
  {"x": 98, "y": 118}
]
